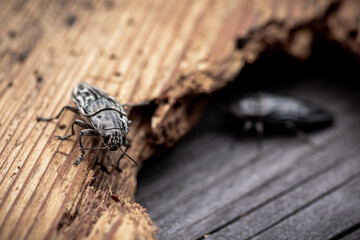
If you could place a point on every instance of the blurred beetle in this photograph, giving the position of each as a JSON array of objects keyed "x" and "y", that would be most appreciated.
[{"x": 272, "y": 109}]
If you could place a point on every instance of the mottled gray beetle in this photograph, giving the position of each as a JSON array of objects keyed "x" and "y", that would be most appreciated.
[
  {"x": 104, "y": 117},
  {"x": 276, "y": 109}
]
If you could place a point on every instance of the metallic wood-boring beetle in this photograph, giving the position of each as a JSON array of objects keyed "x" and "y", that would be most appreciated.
[
  {"x": 104, "y": 116},
  {"x": 274, "y": 109}
]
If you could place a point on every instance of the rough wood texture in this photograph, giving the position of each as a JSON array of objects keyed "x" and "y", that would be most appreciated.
[{"x": 135, "y": 50}]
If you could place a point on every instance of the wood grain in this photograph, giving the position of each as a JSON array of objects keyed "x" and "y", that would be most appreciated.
[{"x": 135, "y": 50}]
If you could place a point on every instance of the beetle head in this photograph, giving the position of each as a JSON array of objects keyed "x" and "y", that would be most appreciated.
[{"x": 113, "y": 139}]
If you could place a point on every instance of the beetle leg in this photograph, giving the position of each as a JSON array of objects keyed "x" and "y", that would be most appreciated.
[
  {"x": 259, "y": 126},
  {"x": 127, "y": 145},
  {"x": 259, "y": 129},
  {"x": 71, "y": 108},
  {"x": 118, "y": 161},
  {"x": 85, "y": 132},
  {"x": 247, "y": 125},
  {"x": 77, "y": 122},
  {"x": 301, "y": 134}
]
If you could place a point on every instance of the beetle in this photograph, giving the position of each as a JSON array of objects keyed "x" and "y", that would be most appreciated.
[
  {"x": 273, "y": 109},
  {"x": 103, "y": 116}
]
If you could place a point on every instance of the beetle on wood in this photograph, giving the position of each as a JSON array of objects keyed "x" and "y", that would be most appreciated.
[
  {"x": 104, "y": 116},
  {"x": 266, "y": 108}
]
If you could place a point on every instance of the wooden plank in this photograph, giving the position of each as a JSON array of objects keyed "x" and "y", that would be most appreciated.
[
  {"x": 283, "y": 206},
  {"x": 337, "y": 205},
  {"x": 208, "y": 199}
]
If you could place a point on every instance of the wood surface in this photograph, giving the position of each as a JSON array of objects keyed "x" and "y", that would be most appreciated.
[
  {"x": 173, "y": 51},
  {"x": 213, "y": 185}
]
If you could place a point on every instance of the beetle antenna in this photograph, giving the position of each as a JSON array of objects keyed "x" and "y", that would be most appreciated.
[{"x": 130, "y": 158}]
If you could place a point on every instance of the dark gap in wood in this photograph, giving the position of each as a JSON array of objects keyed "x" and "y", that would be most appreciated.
[
  {"x": 71, "y": 20},
  {"x": 66, "y": 219},
  {"x": 8, "y": 86},
  {"x": 346, "y": 232}
]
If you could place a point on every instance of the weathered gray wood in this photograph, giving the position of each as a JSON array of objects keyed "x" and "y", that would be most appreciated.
[
  {"x": 287, "y": 203},
  {"x": 324, "y": 219},
  {"x": 225, "y": 181}
]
